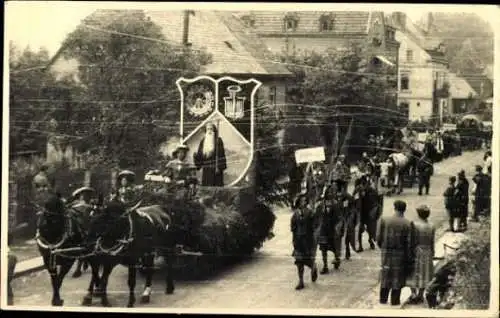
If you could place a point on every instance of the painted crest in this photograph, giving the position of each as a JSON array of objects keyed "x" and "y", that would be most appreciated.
[
  {"x": 200, "y": 100},
  {"x": 233, "y": 104},
  {"x": 224, "y": 108}
]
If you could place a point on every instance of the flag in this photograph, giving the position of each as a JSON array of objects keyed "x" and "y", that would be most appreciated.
[{"x": 347, "y": 139}]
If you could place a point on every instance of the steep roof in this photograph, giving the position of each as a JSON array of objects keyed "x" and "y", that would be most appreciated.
[
  {"x": 460, "y": 88},
  {"x": 235, "y": 49},
  {"x": 345, "y": 22}
]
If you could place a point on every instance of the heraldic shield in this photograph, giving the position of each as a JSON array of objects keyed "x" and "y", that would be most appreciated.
[{"x": 221, "y": 146}]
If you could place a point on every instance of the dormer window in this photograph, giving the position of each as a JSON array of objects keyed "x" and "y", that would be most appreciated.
[
  {"x": 291, "y": 22},
  {"x": 326, "y": 22},
  {"x": 248, "y": 20}
]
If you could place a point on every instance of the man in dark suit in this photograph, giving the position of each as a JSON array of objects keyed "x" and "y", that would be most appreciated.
[
  {"x": 394, "y": 241},
  {"x": 462, "y": 199},
  {"x": 425, "y": 170},
  {"x": 211, "y": 158}
]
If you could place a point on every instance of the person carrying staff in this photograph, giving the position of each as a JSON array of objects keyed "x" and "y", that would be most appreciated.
[
  {"x": 303, "y": 226},
  {"x": 450, "y": 203},
  {"x": 462, "y": 199}
]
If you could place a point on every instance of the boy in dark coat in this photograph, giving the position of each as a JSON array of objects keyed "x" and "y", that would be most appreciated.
[
  {"x": 303, "y": 225},
  {"x": 394, "y": 241}
]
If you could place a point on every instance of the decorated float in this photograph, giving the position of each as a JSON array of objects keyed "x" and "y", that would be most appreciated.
[{"x": 214, "y": 207}]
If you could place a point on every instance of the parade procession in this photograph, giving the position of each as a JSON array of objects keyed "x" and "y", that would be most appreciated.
[{"x": 191, "y": 185}]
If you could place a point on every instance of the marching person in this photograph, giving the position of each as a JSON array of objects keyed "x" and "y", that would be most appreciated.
[
  {"x": 345, "y": 205},
  {"x": 462, "y": 199},
  {"x": 394, "y": 241},
  {"x": 450, "y": 203},
  {"x": 422, "y": 246},
  {"x": 303, "y": 225},
  {"x": 425, "y": 171},
  {"x": 330, "y": 229},
  {"x": 480, "y": 201}
]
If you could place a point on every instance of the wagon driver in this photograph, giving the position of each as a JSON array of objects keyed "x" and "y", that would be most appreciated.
[{"x": 127, "y": 191}]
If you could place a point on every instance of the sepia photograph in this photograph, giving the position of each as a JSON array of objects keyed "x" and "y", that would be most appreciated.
[{"x": 265, "y": 158}]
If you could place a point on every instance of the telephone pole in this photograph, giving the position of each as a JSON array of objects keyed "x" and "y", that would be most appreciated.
[{"x": 185, "y": 34}]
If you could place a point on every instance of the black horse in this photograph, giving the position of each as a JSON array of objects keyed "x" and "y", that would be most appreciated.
[
  {"x": 59, "y": 238},
  {"x": 128, "y": 236}
]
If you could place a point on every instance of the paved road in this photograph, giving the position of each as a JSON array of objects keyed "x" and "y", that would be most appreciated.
[{"x": 268, "y": 280}]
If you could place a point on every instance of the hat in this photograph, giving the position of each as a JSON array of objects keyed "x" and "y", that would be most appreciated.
[
  {"x": 423, "y": 211},
  {"x": 479, "y": 168},
  {"x": 81, "y": 190},
  {"x": 453, "y": 179},
  {"x": 179, "y": 147},
  {"x": 461, "y": 173},
  {"x": 400, "y": 205},
  {"x": 126, "y": 173}
]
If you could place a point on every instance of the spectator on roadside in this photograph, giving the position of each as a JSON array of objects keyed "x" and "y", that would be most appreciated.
[
  {"x": 480, "y": 192},
  {"x": 487, "y": 161},
  {"x": 394, "y": 241},
  {"x": 450, "y": 203},
  {"x": 422, "y": 247},
  {"x": 462, "y": 199}
]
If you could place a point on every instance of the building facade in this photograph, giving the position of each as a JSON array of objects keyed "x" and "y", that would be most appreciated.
[{"x": 423, "y": 72}]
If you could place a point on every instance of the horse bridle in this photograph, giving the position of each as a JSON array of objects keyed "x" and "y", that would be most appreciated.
[{"x": 122, "y": 243}]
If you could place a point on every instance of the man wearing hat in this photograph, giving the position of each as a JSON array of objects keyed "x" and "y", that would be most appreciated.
[
  {"x": 330, "y": 232},
  {"x": 450, "y": 203},
  {"x": 462, "y": 199},
  {"x": 425, "y": 170},
  {"x": 303, "y": 225},
  {"x": 394, "y": 241},
  {"x": 480, "y": 194},
  {"x": 42, "y": 184}
]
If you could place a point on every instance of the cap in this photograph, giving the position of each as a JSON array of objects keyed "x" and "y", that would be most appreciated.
[
  {"x": 180, "y": 147},
  {"x": 400, "y": 205},
  {"x": 126, "y": 173},
  {"x": 479, "y": 168},
  {"x": 82, "y": 190},
  {"x": 453, "y": 179}
]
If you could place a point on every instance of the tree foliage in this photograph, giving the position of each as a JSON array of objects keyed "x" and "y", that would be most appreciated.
[
  {"x": 335, "y": 87},
  {"x": 473, "y": 281},
  {"x": 27, "y": 80},
  {"x": 128, "y": 71}
]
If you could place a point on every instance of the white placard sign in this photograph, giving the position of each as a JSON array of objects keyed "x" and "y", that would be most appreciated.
[{"x": 310, "y": 155}]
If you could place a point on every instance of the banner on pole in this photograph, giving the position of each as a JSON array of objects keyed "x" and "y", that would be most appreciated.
[{"x": 310, "y": 155}]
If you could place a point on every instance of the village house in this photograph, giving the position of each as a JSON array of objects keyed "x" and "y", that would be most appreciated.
[
  {"x": 463, "y": 97},
  {"x": 235, "y": 49},
  {"x": 423, "y": 87},
  {"x": 305, "y": 31}
]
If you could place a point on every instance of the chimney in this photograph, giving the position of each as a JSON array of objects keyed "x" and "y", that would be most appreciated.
[
  {"x": 430, "y": 22},
  {"x": 399, "y": 19}
]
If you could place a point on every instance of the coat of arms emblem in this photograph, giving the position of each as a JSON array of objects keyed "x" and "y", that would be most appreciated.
[
  {"x": 233, "y": 105},
  {"x": 200, "y": 100}
]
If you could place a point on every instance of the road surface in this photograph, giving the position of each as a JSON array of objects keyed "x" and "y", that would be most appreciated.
[{"x": 269, "y": 278}]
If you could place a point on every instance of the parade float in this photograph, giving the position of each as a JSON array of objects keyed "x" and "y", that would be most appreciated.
[{"x": 217, "y": 216}]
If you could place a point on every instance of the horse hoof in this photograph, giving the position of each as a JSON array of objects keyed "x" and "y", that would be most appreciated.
[
  {"x": 372, "y": 246},
  {"x": 359, "y": 250},
  {"x": 106, "y": 304},
  {"x": 87, "y": 301},
  {"x": 348, "y": 257},
  {"x": 58, "y": 302},
  {"x": 337, "y": 265},
  {"x": 324, "y": 271},
  {"x": 145, "y": 299},
  {"x": 77, "y": 274},
  {"x": 129, "y": 305}
]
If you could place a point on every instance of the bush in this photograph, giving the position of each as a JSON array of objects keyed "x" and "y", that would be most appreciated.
[{"x": 473, "y": 268}]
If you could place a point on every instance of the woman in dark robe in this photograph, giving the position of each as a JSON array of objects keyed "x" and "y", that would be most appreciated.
[
  {"x": 422, "y": 246},
  {"x": 303, "y": 225}
]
